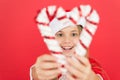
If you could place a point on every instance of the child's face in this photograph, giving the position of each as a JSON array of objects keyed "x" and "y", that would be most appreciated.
[{"x": 68, "y": 39}]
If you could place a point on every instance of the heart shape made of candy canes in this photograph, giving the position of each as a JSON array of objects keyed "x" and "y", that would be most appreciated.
[
  {"x": 51, "y": 16},
  {"x": 52, "y": 19}
]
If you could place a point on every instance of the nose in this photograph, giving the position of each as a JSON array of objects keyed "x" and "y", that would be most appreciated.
[{"x": 67, "y": 40}]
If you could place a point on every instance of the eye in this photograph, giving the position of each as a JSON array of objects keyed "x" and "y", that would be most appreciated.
[
  {"x": 74, "y": 34},
  {"x": 59, "y": 35}
]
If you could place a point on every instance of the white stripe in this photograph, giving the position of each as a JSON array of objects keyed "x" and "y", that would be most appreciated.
[
  {"x": 53, "y": 45},
  {"x": 45, "y": 30},
  {"x": 60, "y": 12},
  {"x": 91, "y": 27},
  {"x": 80, "y": 50},
  {"x": 42, "y": 16},
  {"x": 51, "y": 10},
  {"x": 94, "y": 17},
  {"x": 85, "y": 38},
  {"x": 85, "y": 9}
]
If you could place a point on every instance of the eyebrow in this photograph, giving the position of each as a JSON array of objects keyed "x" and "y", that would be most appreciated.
[
  {"x": 74, "y": 31},
  {"x": 71, "y": 31},
  {"x": 59, "y": 31}
]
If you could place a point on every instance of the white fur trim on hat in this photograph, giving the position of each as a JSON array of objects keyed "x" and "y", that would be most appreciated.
[{"x": 57, "y": 25}]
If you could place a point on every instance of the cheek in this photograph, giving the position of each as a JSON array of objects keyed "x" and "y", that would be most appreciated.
[
  {"x": 59, "y": 40},
  {"x": 75, "y": 41}
]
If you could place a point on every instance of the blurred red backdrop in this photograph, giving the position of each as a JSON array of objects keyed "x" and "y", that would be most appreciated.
[{"x": 21, "y": 42}]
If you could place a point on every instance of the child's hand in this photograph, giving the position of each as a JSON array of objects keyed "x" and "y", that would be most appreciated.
[
  {"x": 80, "y": 69},
  {"x": 46, "y": 68}
]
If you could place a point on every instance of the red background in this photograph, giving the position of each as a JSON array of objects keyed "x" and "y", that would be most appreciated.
[{"x": 21, "y": 42}]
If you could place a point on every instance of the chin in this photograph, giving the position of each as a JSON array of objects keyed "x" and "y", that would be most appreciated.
[{"x": 68, "y": 54}]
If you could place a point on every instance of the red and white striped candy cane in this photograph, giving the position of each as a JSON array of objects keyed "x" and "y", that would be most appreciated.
[{"x": 83, "y": 15}]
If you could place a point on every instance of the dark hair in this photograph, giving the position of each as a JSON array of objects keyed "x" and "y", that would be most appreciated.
[{"x": 80, "y": 27}]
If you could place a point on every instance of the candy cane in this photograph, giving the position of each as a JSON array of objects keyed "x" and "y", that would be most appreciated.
[{"x": 53, "y": 16}]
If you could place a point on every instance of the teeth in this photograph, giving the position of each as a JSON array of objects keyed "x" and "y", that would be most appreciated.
[{"x": 67, "y": 48}]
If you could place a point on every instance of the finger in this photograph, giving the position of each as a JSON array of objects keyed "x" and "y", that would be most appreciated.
[
  {"x": 54, "y": 77},
  {"x": 83, "y": 60},
  {"x": 48, "y": 74},
  {"x": 76, "y": 64},
  {"x": 74, "y": 72},
  {"x": 46, "y": 57},
  {"x": 69, "y": 77},
  {"x": 49, "y": 65}
]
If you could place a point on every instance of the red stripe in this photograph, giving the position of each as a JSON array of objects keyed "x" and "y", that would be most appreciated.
[
  {"x": 91, "y": 22},
  {"x": 56, "y": 52},
  {"x": 88, "y": 32},
  {"x": 79, "y": 9},
  {"x": 63, "y": 17},
  {"x": 51, "y": 16},
  {"x": 45, "y": 24},
  {"x": 49, "y": 37},
  {"x": 90, "y": 12},
  {"x": 82, "y": 44},
  {"x": 72, "y": 20}
]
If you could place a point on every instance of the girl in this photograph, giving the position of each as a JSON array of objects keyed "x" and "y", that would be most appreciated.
[
  {"x": 46, "y": 67},
  {"x": 67, "y": 27}
]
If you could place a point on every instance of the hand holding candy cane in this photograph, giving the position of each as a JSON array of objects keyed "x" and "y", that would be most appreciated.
[
  {"x": 46, "y": 68},
  {"x": 51, "y": 20}
]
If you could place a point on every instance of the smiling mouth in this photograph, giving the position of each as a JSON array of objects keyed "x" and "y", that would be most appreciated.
[
  {"x": 67, "y": 48},
  {"x": 68, "y": 51}
]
